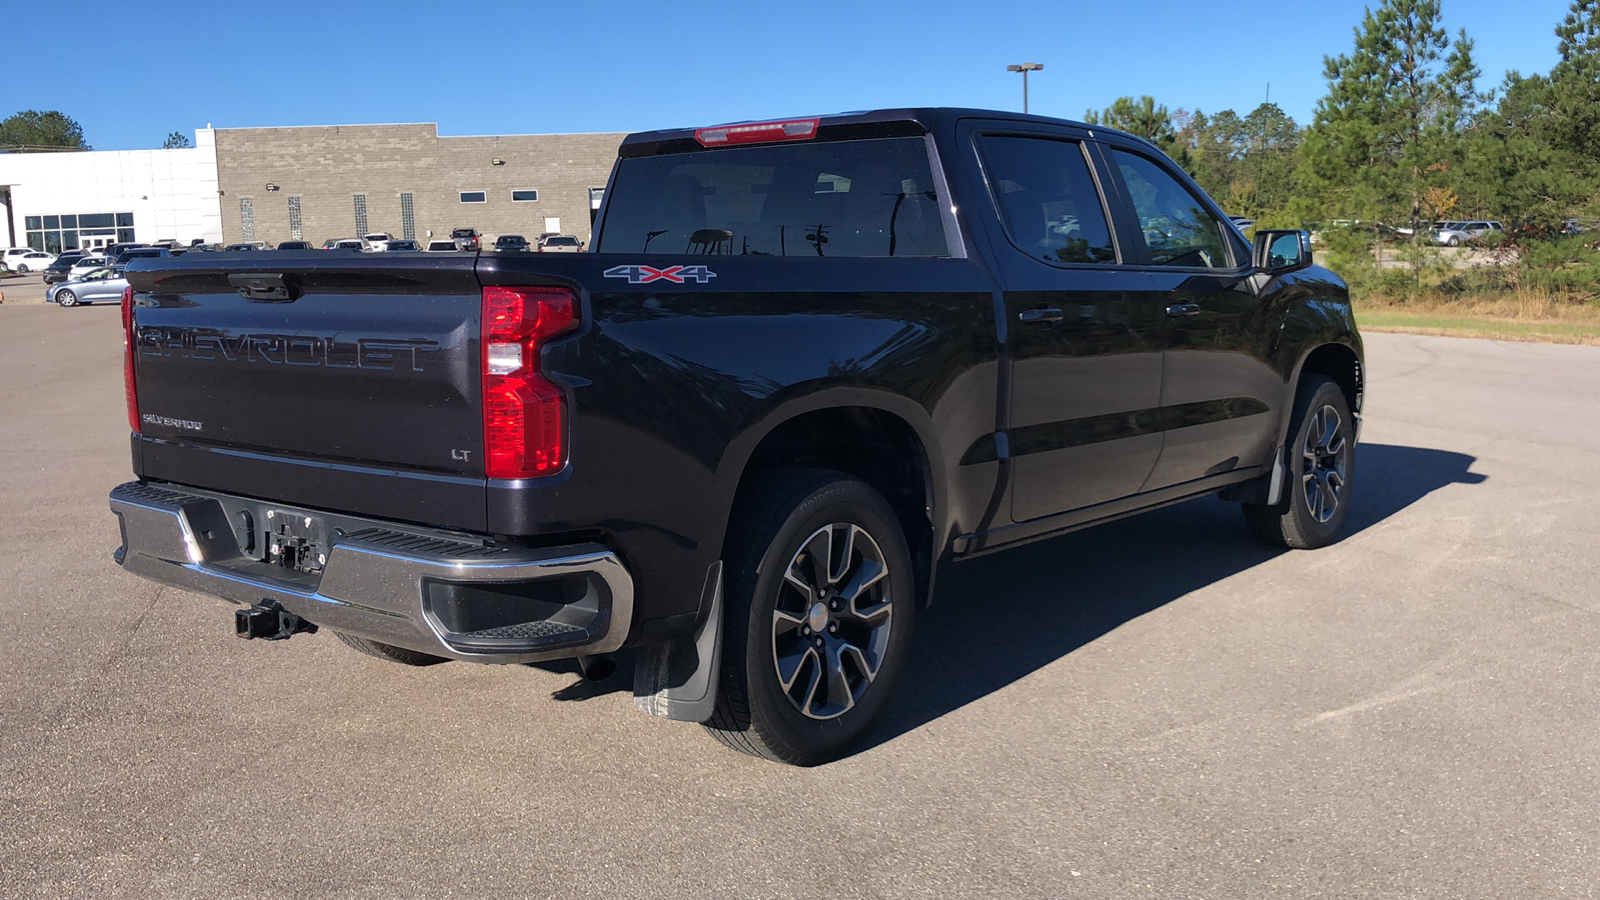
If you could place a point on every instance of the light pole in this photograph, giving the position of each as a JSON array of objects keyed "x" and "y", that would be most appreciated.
[{"x": 1025, "y": 68}]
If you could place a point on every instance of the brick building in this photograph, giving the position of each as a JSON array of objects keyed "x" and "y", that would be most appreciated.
[{"x": 315, "y": 183}]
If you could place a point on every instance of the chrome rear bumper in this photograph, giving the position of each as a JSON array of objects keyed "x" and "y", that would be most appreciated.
[{"x": 433, "y": 592}]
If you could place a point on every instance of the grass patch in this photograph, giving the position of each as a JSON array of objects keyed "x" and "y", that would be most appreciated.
[{"x": 1549, "y": 331}]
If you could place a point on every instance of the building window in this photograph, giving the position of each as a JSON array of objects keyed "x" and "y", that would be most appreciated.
[
  {"x": 474, "y": 197},
  {"x": 54, "y": 234},
  {"x": 361, "y": 214},
  {"x": 408, "y": 218},
  {"x": 527, "y": 196},
  {"x": 295, "y": 230},
  {"x": 247, "y": 219}
]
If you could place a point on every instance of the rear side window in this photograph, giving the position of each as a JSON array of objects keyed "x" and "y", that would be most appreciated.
[
  {"x": 1047, "y": 199},
  {"x": 1177, "y": 229},
  {"x": 868, "y": 198}
]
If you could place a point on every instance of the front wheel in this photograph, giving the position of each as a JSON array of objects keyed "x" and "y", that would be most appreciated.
[
  {"x": 819, "y": 600},
  {"x": 66, "y": 298},
  {"x": 1321, "y": 472}
]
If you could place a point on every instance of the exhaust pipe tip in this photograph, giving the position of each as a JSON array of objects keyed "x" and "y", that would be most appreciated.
[{"x": 597, "y": 668}]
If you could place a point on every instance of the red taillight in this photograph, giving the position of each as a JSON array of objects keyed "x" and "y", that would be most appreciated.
[
  {"x": 758, "y": 132},
  {"x": 128, "y": 341},
  {"x": 523, "y": 413}
]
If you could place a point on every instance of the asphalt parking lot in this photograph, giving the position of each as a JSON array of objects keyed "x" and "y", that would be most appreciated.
[{"x": 1156, "y": 708}]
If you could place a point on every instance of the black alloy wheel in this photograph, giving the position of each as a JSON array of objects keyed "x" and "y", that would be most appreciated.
[
  {"x": 818, "y": 594},
  {"x": 1320, "y": 471}
]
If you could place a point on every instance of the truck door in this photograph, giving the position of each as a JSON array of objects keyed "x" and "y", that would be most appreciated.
[
  {"x": 1220, "y": 396},
  {"x": 1085, "y": 336}
]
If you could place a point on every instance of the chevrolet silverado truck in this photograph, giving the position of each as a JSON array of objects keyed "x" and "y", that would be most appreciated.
[{"x": 805, "y": 364}]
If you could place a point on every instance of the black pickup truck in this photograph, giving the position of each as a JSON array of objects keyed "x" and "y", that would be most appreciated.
[{"x": 807, "y": 363}]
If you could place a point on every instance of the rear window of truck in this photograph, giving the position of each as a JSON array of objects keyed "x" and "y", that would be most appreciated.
[{"x": 868, "y": 198}]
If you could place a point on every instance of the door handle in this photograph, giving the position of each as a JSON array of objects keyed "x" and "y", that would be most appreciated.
[
  {"x": 1045, "y": 316},
  {"x": 1184, "y": 310}
]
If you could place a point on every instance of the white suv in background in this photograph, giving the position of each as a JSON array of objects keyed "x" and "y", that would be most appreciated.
[
  {"x": 378, "y": 241},
  {"x": 14, "y": 255}
]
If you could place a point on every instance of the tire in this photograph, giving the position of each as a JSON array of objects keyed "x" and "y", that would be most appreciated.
[
  {"x": 777, "y": 622},
  {"x": 389, "y": 651},
  {"x": 1321, "y": 472},
  {"x": 22, "y": 268},
  {"x": 66, "y": 298},
  {"x": 1454, "y": 242}
]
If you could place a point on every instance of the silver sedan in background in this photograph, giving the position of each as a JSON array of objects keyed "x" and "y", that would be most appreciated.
[{"x": 98, "y": 286}]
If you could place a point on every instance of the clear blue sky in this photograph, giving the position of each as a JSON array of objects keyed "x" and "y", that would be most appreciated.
[{"x": 132, "y": 75}]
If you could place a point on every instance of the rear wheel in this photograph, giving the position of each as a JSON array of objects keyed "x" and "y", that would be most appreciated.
[
  {"x": 66, "y": 298},
  {"x": 819, "y": 606},
  {"x": 1321, "y": 472},
  {"x": 389, "y": 651}
]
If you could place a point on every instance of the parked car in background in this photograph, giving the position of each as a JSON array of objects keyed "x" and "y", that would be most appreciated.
[
  {"x": 86, "y": 265},
  {"x": 344, "y": 244},
  {"x": 377, "y": 240},
  {"x": 56, "y": 272},
  {"x": 1450, "y": 234},
  {"x": 295, "y": 245},
  {"x": 142, "y": 253},
  {"x": 248, "y": 245},
  {"x": 13, "y": 255},
  {"x": 113, "y": 250},
  {"x": 561, "y": 243},
  {"x": 442, "y": 247},
  {"x": 466, "y": 238},
  {"x": 1483, "y": 228},
  {"x": 401, "y": 245},
  {"x": 99, "y": 286},
  {"x": 511, "y": 242},
  {"x": 33, "y": 261}
]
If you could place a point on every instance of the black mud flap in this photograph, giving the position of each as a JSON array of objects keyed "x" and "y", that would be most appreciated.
[{"x": 678, "y": 679}]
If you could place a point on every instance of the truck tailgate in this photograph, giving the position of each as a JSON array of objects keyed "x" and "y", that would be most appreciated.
[{"x": 365, "y": 361}]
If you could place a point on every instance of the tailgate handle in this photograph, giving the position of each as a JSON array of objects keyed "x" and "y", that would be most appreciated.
[{"x": 265, "y": 288}]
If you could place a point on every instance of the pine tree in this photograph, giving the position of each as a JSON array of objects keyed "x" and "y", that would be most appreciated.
[
  {"x": 1389, "y": 129},
  {"x": 1538, "y": 154}
]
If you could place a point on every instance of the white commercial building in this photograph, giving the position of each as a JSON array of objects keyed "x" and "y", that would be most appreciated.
[{"x": 87, "y": 199}]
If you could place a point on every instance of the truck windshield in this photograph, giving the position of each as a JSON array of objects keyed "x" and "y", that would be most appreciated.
[{"x": 842, "y": 198}]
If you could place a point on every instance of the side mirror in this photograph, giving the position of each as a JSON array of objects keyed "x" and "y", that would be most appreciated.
[{"x": 1282, "y": 251}]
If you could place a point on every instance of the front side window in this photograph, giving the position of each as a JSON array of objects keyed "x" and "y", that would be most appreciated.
[
  {"x": 1177, "y": 229},
  {"x": 866, "y": 198},
  {"x": 1047, "y": 199}
]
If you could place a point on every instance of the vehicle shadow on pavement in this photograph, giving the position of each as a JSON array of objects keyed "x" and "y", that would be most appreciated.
[{"x": 997, "y": 619}]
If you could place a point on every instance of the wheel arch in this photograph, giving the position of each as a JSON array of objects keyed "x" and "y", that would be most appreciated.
[{"x": 885, "y": 440}]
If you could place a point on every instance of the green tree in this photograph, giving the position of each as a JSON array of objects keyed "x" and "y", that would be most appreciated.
[
  {"x": 1144, "y": 118},
  {"x": 176, "y": 141},
  {"x": 1537, "y": 154},
  {"x": 34, "y": 130},
  {"x": 1246, "y": 164},
  {"x": 1390, "y": 128}
]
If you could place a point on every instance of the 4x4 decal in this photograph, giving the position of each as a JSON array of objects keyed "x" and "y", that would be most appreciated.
[{"x": 674, "y": 274}]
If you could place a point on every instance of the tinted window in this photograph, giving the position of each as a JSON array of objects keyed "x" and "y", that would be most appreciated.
[
  {"x": 1177, "y": 229},
  {"x": 474, "y": 197},
  {"x": 845, "y": 198},
  {"x": 1048, "y": 200},
  {"x": 524, "y": 196}
]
